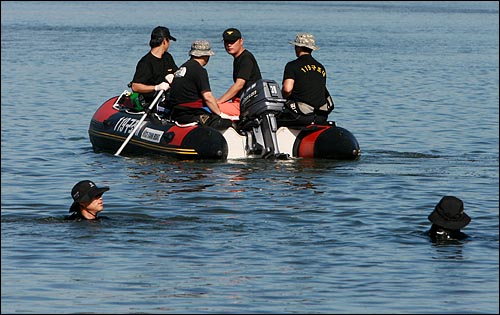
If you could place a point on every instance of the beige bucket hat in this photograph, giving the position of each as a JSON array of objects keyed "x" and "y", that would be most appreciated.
[
  {"x": 305, "y": 40},
  {"x": 201, "y": 48}
]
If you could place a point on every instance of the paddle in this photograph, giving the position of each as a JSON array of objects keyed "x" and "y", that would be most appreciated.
[
  {"x": 153, "y": 103},
  {"x": 169, "y": 79}
]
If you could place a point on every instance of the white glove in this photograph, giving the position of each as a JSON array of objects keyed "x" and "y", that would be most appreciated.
[
  {"x": 226, "y": 116},
  {"x": 169, "y": 78},
  {"x": 162, "y": 86}
]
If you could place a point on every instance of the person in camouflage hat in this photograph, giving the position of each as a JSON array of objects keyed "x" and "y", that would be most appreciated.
[
  {"x": 191, "y": 97},
  {"x": 304, "y": 86}
]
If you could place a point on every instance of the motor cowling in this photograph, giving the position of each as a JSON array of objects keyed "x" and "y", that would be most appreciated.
[
  {"x": 258, "y": 105},
  {"x": 262, "y": 96}
]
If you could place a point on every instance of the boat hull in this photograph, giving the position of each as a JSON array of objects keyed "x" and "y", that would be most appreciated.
[
  {"x": 313, "y": 141},
  {"x": 109, "y": 128},
  {"x": 111, "y": 125},
  {"x": 321, "y": 142}
]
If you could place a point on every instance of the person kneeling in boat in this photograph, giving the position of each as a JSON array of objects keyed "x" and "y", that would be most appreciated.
[
  {"x": 191, "y": 98},
  {"x": 87, "y": 201},
  {"x": 304, "y": 87}
]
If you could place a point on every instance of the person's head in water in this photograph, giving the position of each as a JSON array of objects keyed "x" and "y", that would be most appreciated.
[
  {"x": 87, "y": 200},
  {"x": 447, "y": 219}
]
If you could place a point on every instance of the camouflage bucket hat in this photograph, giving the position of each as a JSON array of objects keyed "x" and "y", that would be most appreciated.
[
  {"x": 305, "y": 40},
  {"x": 201, "y": 48}
]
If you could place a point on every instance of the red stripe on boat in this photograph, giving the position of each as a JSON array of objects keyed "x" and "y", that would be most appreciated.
[
  {"x": 105, "y": 111},
  {"x": 306, "y": 148},
  {"x": 180, "y": 133}
]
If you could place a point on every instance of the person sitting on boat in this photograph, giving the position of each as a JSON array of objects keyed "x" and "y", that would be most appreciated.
[
  {"x": 447, "y": 219},
  {"x": 87, "y": 201},
  {"x": 245, "y": 71},
  {"x": 304, "y": 86},
  {"x": 191, "y": 98},
  {"x": 153, "y": 67}
]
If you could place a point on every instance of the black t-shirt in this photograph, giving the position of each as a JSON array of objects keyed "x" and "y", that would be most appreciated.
[
  {"x": 245, "y": 67},
  {"x": 189, "y": 82},
  {"x": 310, "y": 80},
  {"x": 152, "y": 71},
  {"x": 440, "y": 234}
]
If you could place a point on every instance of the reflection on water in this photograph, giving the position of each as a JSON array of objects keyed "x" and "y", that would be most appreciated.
[{"x": 451, "y": 250}]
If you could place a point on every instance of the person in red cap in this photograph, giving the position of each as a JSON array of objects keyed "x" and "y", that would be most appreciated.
[
  {"x": 245, "y": 71},
  {"x": 87, "y": 201},
  {"x": 447, "y": 219}
]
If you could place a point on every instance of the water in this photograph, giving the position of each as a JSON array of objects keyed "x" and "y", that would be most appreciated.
[{"x": 415, "y": 82}]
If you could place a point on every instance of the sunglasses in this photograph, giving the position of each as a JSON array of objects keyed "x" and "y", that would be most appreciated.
[{"x": 230, "y": 41}]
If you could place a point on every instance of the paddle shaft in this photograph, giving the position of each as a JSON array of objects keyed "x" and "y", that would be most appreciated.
[{"x": 157, "y": 98}]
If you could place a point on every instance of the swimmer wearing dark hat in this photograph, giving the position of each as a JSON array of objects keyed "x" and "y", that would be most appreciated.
[
  {"x": 447, "y": 219},
  {"x": 87, "y": 201}
]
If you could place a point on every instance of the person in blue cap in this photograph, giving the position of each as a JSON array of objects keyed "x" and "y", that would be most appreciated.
[
  {"x": 87, "y": 201},
  {"x": 447, "y": 219}
]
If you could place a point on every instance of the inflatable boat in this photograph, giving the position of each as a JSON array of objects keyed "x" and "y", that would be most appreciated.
[{"x": 257, "y": 135}]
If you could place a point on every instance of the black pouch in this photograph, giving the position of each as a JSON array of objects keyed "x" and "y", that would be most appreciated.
[{"x": 217, "y": 122}]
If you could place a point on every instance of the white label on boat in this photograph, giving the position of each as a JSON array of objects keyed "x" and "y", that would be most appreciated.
[{"x": 152, "y": 135}]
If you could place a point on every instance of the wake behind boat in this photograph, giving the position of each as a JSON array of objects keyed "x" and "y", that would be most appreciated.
[{"x": 257, "y": 135}]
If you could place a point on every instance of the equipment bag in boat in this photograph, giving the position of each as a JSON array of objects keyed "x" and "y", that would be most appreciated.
[{"x": 138, "y": 101}]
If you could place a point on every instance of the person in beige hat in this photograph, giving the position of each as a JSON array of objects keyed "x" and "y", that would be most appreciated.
[
  {"x": 304, "y": 86},
  {"x": 191, "y": 97}
]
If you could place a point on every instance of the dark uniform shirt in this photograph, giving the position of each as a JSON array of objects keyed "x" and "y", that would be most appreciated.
[
  {"x": 440, "y": 234},
  {"x": 77, "y": 216},
  {"x": 309, "y": 80},
  {"x": 245, "y": 67},
  {"x": 186, "y": 99},
  {"x": 190, "y": 81},
  {"x": 151, "y": 70}
]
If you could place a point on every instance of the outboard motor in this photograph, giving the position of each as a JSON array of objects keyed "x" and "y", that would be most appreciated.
[{"x": 258, "y": 105}]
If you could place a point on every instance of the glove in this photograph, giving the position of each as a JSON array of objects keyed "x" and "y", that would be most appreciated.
[
  {"x": 226, "y": 116},
  {"x": 162, "y": 86},
  {"x": 169, "y": 78}
]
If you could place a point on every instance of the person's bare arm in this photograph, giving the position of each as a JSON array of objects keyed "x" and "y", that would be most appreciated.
[
  {"x": 231, "y": 92},
  {"x": 143, "y": 88},
  {"x": 211, "y": 102},
  {"x": 287, "y": 88}
]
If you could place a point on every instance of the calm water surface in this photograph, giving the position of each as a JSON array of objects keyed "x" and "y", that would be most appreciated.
[{"x": 415, "y": 82}]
